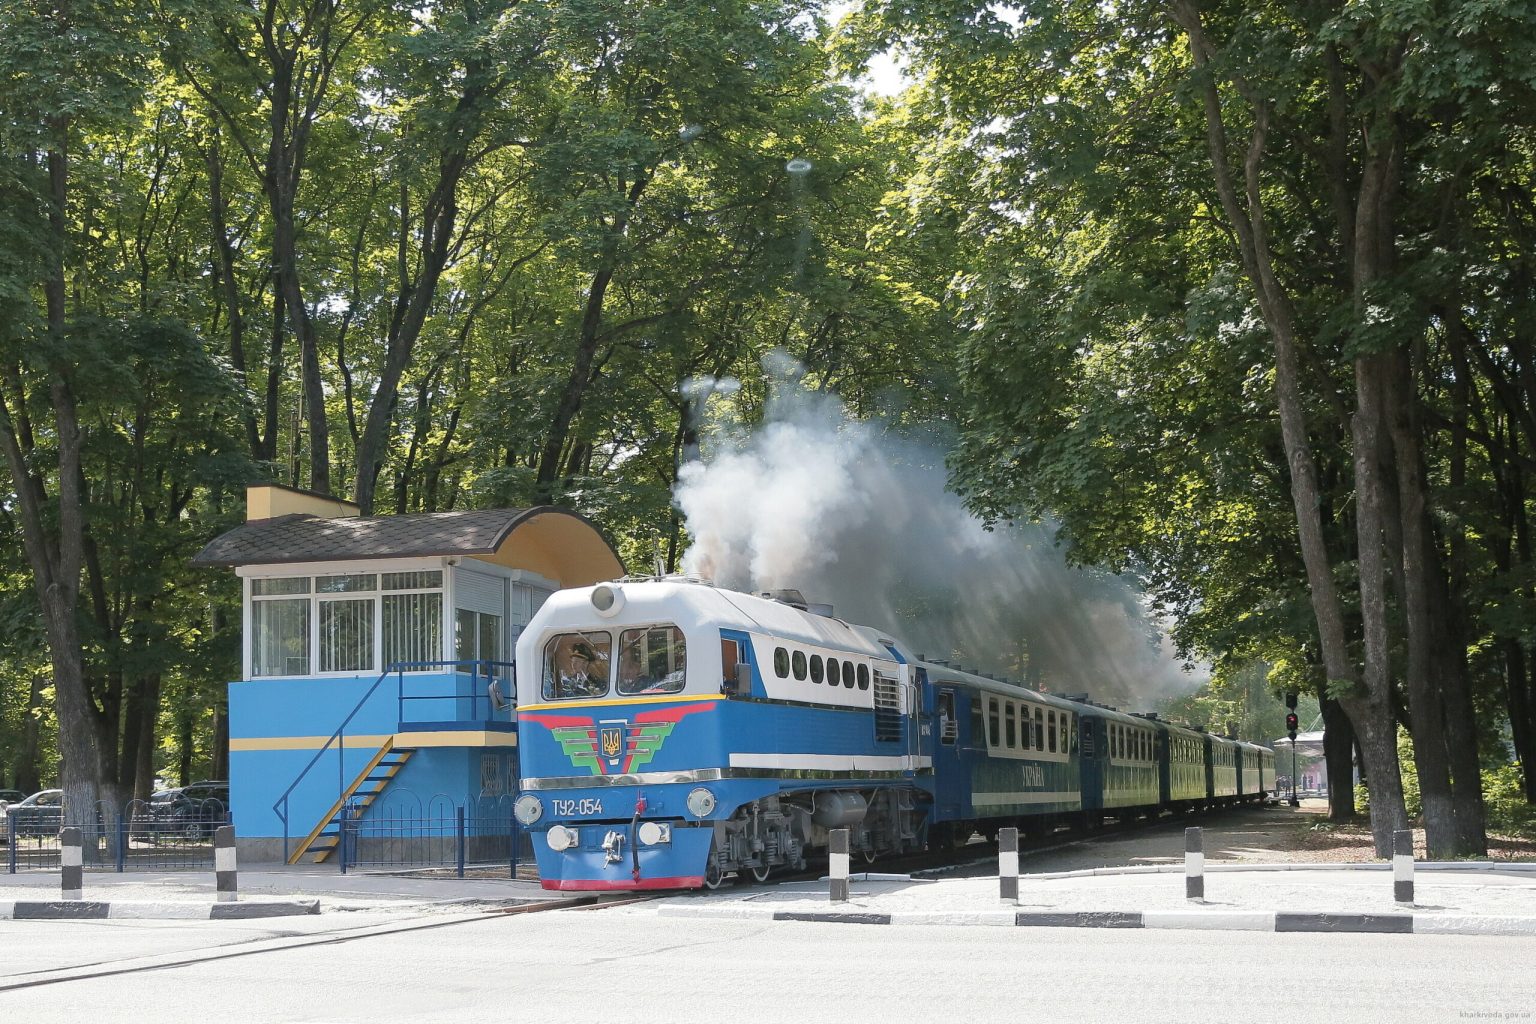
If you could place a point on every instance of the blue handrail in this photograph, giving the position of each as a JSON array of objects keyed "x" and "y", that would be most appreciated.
[{"x": 338, "y": 738}]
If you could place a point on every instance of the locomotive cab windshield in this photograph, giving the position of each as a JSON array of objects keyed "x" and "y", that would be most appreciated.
[{"x": 645, "y": 660}]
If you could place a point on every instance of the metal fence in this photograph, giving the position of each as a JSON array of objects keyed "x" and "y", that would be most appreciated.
[
  {"x": 473, "y": 835},
  {"x": 134, "y": 837}
]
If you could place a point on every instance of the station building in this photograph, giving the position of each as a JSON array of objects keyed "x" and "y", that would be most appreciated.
[{"x": 377, "y": 655}]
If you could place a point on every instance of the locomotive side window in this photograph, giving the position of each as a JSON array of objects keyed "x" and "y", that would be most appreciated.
[
  {"x": 863, "y": 677},
  {"x": 730, "y": 657},
  {"x": 848, "y": 674},
  {"x": 978, "y": 727},
  {"x": 1010, "y": 725},
  {"x": 945, "y": 706},
  {"x": 798, "y": 661},
  {"x": 816, "y": 669},
  {"x": 577, "y": 665},
  {"x": 653, "y": 659},
  {"x": 994, "y": 724},
  {"x": 832, "y": 672},
  {"x": 781, "y": 663}
]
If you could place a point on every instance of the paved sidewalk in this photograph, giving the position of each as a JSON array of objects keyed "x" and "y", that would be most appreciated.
[
  {"x": 1458, "y": 899},
  {"x": 1484, "y": 897},
  {"x": 136, "y": 894}
]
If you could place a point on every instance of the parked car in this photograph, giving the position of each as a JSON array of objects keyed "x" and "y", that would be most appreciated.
[
  {"x": 37, "y": 815},
  {"x": 192, "y": 811},
  {"x": 11, "y": 796}
]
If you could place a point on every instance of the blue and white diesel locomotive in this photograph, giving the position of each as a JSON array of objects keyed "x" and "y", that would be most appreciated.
[{"x": 672, "y": 733}]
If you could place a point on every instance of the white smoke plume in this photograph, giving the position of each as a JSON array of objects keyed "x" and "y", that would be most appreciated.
[{"x": 852, "y": 514}]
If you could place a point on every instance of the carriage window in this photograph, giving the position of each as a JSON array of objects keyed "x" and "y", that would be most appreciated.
[
  {"x": 994, "y": 723},
  {"x": 1051, "y": 736},
  {"x": 652, "y": 660},
  {"x": 781, "y": 663},
  {"x": 848, "y": 674},
  {"x": 816, "y": 669},
  {"x": 832, "y": 672},
  {"x": 1061, "y": 726},
  {"x": 1024, "y": 726},
  {"x": 863, "y": 677},
  {"x": 978, "y": 728},
  {"x": 576, "y": 665},
  {"x": 1039, "y": 729},
  {"x": 1010, "y": 726},
  {"x": 798, "y": 660}
]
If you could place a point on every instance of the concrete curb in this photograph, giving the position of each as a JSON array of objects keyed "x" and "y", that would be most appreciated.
[
  {"x": 1221, "y": 920},
  {"x": 143, "y": 910}
]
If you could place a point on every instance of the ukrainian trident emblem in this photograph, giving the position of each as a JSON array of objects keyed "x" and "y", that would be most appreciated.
[{"x": 610, "y": 738}]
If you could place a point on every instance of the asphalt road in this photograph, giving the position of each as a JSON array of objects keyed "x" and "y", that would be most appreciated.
[{"x": 603, "y": 965}]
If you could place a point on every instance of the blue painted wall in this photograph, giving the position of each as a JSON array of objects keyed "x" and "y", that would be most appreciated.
[{"x": 277, "y": 709}]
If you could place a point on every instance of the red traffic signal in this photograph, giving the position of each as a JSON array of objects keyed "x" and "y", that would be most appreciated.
[{"x": 1290, "y": 724}]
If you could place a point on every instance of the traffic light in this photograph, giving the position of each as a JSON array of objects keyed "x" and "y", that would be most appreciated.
[
  {"x": 1290, "y": 724},
  {"x": 1290, "y": 701}
]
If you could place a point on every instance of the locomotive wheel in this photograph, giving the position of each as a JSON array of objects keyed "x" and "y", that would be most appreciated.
[
  {"x": 713, "y": 876},
  {"x": 868, "y": 853},
  {"x": 760, "y": 874}
]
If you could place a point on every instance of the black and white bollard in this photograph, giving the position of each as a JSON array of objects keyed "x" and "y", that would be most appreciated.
[
  {"x": 224, "y": 863},
  {"x": 71, "y": 863},
  {"x": 837, "y": 866},
  {"x": 1008, "y": 865},
  {"x": 1402, "y": 866},
  {"x": 1194, "y": 865}
]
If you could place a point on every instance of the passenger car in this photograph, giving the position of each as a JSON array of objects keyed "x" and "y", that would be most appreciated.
[
  {"x": 192, "y": 811},
  {"x": 39, "y": 814}
]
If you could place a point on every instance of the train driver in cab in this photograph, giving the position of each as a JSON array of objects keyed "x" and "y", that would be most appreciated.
[{"x": 579, "y": 672}]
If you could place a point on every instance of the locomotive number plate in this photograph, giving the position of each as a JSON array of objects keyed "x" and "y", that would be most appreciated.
[{"x": 588, "y": 805}]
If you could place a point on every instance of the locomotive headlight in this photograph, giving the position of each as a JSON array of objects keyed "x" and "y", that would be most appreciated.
[
  {"x": 653, "y": 833},
  {"x": 528, "y": 809},
  {"x": 561, "y": 838},
  {"x": 701, "y": 802},
  {"x": 607, "y": 599}
]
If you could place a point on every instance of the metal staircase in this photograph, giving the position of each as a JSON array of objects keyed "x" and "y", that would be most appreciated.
[{"x": 354, "y": 800}]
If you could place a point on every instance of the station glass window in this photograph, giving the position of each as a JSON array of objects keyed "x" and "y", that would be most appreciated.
[
  {"x": 848, "y": 674},
  {"x": 1010, "y": 725},
  {"x": 816, "y": 668},
  {"x": 781, "y": 663},
  {"x": 863, "y": 677},
  {"x": 994, "y": 724},
  {"x": 798, "y": 660},
  {"x": 280, "y": 628},
  {"x": 412, "y": 619},
  {"x": 653, "y": 659},
  {"x": 346, "y": 622},
  {"x": 577, "y": 665}
]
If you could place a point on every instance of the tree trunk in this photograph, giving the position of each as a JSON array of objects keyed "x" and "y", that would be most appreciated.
[
  {"x": 575, "y": 388},
  {"x": 27, "y": 775},
  {"x": 1339, "y": 760}
]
